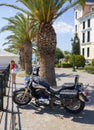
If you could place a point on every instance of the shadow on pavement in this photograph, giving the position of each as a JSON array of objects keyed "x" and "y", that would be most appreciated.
[
  {"x": 86, "y": 116},
  {"x": 59, "y": 76}
]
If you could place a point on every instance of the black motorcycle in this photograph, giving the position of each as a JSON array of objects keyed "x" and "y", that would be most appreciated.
[{"x": 70, "y": 96}]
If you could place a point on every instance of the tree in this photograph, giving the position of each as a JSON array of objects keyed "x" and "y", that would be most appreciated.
[
  {"x": 45, "y": 12},
  {"x": 79, "y": 60},
  {"x": 58, "y": 55},
  {"x": 14, "y": 41},
  {"x": 67, "y": 55},
  {"x": 76, "y": 45},
  {"x": 21, "y": 38}
]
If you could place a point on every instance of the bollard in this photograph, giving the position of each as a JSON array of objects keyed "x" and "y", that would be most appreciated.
[{"x": 1, "y": 92}]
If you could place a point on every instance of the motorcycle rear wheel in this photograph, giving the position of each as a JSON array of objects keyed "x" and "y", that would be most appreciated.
[
  {"x": 21, "y": 98},
  {"x": 75, "y": 108}
]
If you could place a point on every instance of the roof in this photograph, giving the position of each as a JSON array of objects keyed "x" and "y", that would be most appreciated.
[{"x": 6, "y": 53}]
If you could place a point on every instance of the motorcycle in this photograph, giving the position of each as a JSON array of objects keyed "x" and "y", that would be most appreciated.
[{"x": 71, "y": 96}]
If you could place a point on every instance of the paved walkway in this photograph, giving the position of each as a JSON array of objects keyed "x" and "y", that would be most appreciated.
[{"x": 29, "y": 118}]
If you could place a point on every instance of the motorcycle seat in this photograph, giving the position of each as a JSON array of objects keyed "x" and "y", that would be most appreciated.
[
  {"x": 69, "y": 85},
  {"x": 55, "y": 89}
]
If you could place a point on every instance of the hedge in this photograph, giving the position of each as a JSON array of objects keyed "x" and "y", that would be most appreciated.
[
  {"x": 89, "y": 69},
  {"x": 63, "y": 65}
]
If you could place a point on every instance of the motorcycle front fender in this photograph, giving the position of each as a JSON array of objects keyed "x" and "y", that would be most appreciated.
[
  {"x": 18, "y": 90},
  {"x": 26, "y": 90}
]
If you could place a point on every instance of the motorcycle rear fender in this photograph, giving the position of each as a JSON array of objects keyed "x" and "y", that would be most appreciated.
[{"x": 83, "y": 98}]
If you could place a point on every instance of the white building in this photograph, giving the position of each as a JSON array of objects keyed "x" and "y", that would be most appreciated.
[
  {"x": 6, "y": 57},
  {"x": 84, "y": 26}
]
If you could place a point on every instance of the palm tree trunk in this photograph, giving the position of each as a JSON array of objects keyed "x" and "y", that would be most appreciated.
[
  {"x": 46, "y": 42},
  {"x": 47, "y": 71},
  {"x": 28, "y": 56},
  {"x": 22, "y": 58}
]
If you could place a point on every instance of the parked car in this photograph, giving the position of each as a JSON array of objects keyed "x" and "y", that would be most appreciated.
[{"x": 87, "y": 62}]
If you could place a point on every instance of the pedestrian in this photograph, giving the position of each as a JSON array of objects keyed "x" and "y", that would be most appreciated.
[{"x": 13, "y": 70}]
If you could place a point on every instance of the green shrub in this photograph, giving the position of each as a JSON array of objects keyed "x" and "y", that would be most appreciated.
[
  {"x": 78, "y": 60},
  {"x": 63, "y": 65},
  {"x": 66, "y": 65},
  {"x": 58, "y": 65},
  {"x": 89, "y": 69},
  {"x": 92, "y": 61}
]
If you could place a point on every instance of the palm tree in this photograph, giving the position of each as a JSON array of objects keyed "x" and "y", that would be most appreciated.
[
  {"x": 45, "y": 12},
  {"x": 19, "y": 25},
  {"x": 16, "y": 43}
]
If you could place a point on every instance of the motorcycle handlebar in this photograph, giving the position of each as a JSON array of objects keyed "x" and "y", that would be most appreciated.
[{"x": 36, "y": 70}]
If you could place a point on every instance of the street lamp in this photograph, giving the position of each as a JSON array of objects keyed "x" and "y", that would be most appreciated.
[
  {"x": 73, "y": 56},
  {"x": 74, "y": 69},
  {"x": 74, "y": 41}
]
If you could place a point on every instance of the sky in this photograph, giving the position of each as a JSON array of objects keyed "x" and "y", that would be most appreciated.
[{"x": 63, "y": 26}]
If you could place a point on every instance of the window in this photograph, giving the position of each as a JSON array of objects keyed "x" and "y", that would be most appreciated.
[
  {"x": 88, "y": 23},
  {"x": 75, "y": 28},
  {"x": 92, "y": 9},
  {"x": 76, "y": 15},
  {"x": 83, "y": 37},
  {"x": 88, "y": 36},
  {"x": 83, "y": 51},
  {"x": 83, "y": 25},
  {"x": 88, "y": 51}
]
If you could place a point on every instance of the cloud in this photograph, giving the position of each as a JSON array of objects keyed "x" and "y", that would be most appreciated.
[
  {"x": 10, "y": 11},
  {"x": 62, "y": 27}
]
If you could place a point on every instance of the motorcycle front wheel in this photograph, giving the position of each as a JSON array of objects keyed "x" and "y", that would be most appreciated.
[
  {"x": 76, "y": 107},
  {"x": 20, "y": 97}
]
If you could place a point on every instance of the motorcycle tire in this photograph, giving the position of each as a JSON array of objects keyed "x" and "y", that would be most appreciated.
[
  {"x": 76, "y": 108},
  {"x": 21, "y": 98}
]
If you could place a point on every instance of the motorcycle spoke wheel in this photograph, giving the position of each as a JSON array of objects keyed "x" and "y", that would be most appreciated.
[
  {"x": 76, "y": 107},
  {"x": 21, "y": 98}
]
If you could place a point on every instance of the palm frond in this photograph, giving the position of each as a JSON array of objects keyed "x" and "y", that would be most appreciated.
[
  {"x": 67, "y": 7},
  {"x": 46, "y": 10}
]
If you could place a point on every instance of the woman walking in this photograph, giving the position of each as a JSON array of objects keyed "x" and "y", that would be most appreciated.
[{"x": 13, "y": 67}]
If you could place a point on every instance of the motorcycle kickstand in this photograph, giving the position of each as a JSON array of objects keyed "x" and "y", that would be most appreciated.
[{"x": 35, "y": 105}]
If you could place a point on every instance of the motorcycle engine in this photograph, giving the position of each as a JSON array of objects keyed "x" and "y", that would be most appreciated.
[
  {"x": 42, "y": 101},
  {"x": 42, "y": 96},
  {"x": 41, "y": 93}
]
